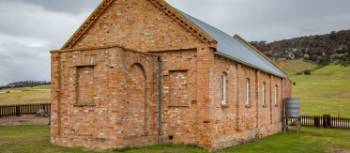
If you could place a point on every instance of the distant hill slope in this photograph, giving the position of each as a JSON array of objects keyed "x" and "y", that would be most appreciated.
[
  {"x": 21, "y": 84},
  {"x": 293, "y": 67},
  {"x": 25, "y": 95},
  {"x": 334, "y": 46},
  {"x": 325, "y": 91}
]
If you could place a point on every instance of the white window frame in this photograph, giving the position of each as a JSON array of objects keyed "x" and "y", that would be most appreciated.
[
  {"x": 224, "y": 89},
  {"x": 247, "y": 92},
  {"x": 264, "y": 94}
]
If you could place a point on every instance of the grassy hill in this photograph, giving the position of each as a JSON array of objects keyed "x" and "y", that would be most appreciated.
[
  {"x": 27, "y": 95},
  {"x": 325, "y": 91},
  {"x": 295, "y": 66}
]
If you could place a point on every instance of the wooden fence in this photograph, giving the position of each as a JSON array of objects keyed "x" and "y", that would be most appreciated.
[
  {"x": 18, "y": 110},
  {"x": 325, "y": 121}
]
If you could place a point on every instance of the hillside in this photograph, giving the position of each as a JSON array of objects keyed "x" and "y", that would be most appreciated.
[
  {"x": 334, "y": 46},
  {"x": 325, "y": 91},
  {"x": 293, "y": 67},
  {"x": 26, "y": 95}
]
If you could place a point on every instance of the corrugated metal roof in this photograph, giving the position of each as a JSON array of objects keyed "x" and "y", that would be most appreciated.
[{"x": 236, "y": 49}]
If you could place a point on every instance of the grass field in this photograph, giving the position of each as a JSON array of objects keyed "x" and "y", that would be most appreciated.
[
  {"x": 325, "y": 91},
  {"x": 38, "y": 94},
  {"x": 35, "y": 139},
  {"x": 294, "y": 66}
]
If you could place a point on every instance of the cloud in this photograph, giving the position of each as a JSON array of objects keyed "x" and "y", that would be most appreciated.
[
  {"x": 63, "y": 6},
  {"x": 29, "y": 29},
  {"x": 21, "y": 60},
  {"x": 270, "y": 19}
]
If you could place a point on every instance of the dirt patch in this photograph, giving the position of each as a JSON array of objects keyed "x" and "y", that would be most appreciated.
[
  {"x": 24, "y": 120},
  {"x": 340, "y": 151}
]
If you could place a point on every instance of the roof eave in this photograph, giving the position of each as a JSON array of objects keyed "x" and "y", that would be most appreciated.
[{"x": 250, "y": 65}]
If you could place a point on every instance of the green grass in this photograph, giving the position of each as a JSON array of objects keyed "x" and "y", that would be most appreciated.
[
  {"x": 325, "y": 91},
  {"x": 38, "y": 94},
  {"x": 35, "y": 139},
  {"x": 310, "y": 140}
]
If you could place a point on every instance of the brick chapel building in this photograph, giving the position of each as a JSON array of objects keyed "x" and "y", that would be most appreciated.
[{"x": 140, "y": 72}]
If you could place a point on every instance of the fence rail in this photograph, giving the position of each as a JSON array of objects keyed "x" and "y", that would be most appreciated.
[
  {"x": 325, "y": 121},
  {"x": 25, "y": 109}
]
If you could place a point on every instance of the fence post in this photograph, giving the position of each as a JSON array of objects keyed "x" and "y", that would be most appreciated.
[
  {"x": 317, "y": 121},
  {"x": 18, "y": 110},
  {"x": 326, "y": 121}
]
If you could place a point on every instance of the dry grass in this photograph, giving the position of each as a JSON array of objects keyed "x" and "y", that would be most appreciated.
[{"x": 38, "y": 94}]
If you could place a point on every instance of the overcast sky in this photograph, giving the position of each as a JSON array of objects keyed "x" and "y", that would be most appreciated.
[{"x": 29, "y": 29}]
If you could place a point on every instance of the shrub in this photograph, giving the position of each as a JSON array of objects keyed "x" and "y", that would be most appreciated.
[
  {"x": 299, "y": 73},
  {"x": 307, "y": 72}
]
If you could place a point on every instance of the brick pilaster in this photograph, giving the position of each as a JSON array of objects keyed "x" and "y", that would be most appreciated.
[
  {"x": 205, "y": 61},
  {"x": 55, "y": 94},
  {"x": 271, "y": 98},
  {"x": 258, "y": 92},
  {"x": 240, "y": 105}
]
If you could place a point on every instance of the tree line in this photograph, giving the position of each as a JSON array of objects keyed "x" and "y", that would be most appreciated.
[
  {"x": 321, "y": 49},
  {"x": 28, "y": 83}
]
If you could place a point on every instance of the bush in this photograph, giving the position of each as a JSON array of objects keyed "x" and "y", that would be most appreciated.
[
  {"x": 307, "y": 72},
  {"x": 299, "y": 73}
]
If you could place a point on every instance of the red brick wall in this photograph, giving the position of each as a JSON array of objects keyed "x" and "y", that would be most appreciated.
[
  {"x": 145, "y": 28},
  {"x": 123, "y": 110},
  {"x": 237, "y": 122},
  {"x": 179, "y": 96}
]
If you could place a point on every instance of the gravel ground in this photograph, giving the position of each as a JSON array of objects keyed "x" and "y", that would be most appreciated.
[{"x": 24, "y": 120}]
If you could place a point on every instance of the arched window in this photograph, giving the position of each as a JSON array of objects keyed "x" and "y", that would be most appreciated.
[
  {"x": 224, "y": 89},
  {"x": 263, "y": 94},
  {"x": 247, "y": 92},
  {"x": 275, "y": 99}
]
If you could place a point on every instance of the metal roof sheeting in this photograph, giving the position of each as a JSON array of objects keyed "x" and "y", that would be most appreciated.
[{"x": 236, "y": 49}]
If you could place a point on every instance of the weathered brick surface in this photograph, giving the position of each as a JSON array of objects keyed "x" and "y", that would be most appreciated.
[
  {"x": 137, "y": 24},
  {"x": 106, "y": 96},
  {"x": 123, "y": 108},
  {"x": 179, "y": 96},
  {"x": 237, "y": 122}
]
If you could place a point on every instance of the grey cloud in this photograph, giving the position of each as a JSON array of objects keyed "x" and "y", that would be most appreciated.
[
  {"x": 30, "y": 28},
  {"x": 271, "y": 19},
  {"x": 23, "y": 20},
  {"x": 65, "y": 6},
  {"x": 22, "y": 61},
  {"x": 27, "y": 36}
]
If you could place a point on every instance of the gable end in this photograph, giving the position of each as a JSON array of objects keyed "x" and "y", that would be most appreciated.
[
  {"x": 160, "y": 4},
  {"x": 183, "y": 21},
  {"x": 97, "y": 13}
]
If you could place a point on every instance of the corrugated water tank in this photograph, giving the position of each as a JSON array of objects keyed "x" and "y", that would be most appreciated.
[{"x": 293, "y": 107}]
